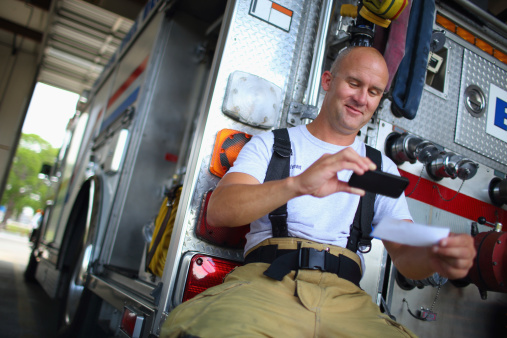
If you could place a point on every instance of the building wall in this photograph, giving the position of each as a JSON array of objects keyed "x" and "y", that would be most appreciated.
[{"x": 17, "y": 80}]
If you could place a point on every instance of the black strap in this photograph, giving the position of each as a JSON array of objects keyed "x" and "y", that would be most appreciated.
[
  {"x": 283, "y": 261},
  {"x": 360, "y": 228},
  {"x": 278, "y": 168}
]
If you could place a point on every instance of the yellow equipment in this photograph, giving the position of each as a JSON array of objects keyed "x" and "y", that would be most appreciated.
[
  {"x": 382, "y": 12},
  {"x": 378, "y": 12},
  {"x": 164, "y": 224}
]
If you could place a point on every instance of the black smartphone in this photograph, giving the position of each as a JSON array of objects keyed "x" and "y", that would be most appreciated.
[{"x": 380, "y": 182}]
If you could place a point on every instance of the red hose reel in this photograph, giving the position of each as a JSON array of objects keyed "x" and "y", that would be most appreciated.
[{"x": 489, "y": 271}]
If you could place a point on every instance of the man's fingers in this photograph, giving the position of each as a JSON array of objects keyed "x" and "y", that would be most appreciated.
[
  {"x": 344, "y": 187},
  {"x": 321, "y": 178},
  {"x": 457, "y": 263},
  {"x": 355, "y": 162},
  {"x": 454, "y": 252},
  {"x": 454, "y": 255},
  {"x": 456, "y": 245},
  {"x": 357, "y": 191},
  {"x": 347, "y": 159},
  {"x": 450, "y": 271},
  {"x": 334, "y": 185}
]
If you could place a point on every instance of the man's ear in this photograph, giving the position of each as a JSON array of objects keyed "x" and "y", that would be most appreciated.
[{"x": 326, "y": 80}]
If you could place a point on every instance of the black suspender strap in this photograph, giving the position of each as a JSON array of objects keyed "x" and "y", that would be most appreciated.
[
  {"x": 278, "y": 168},
  {"x": 361, "y": 226}
]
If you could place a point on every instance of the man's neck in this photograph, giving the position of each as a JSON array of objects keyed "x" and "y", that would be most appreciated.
[{"x": 323, "y": 132}]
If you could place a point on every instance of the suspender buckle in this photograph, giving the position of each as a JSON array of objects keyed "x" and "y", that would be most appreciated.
[
  {"x": 310, "y": 258},
  {"x": 282, "y": 151},
  {"x": 364, "y": 245}
]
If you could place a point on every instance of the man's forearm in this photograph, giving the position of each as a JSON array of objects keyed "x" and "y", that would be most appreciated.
[
  {"x": 411, "y": 262},
  {"x": 239, "y": 204}
]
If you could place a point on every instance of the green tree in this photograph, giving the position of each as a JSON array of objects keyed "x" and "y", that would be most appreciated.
[{"x": 24, "y": 188}]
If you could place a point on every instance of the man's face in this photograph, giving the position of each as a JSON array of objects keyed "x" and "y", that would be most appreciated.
[{"x": 354, "y": 92}]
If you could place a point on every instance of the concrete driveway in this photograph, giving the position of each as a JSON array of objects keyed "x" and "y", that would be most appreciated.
[{"x": 25, "y": 310}]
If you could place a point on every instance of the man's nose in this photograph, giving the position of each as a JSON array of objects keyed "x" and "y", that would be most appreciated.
[{"x": 361, "y": 96}]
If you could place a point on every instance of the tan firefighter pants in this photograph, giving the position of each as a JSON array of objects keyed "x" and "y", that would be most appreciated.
[{"x": 310, "y": 303}]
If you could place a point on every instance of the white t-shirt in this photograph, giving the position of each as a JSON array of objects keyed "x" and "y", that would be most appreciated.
[{"x": 324, "y": 220}]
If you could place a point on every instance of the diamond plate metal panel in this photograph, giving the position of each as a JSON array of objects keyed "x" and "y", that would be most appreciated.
[
  {"x": 471, "y": 131},
  {"x": 437, "y": 116},
  {"x": 306, "y": 39},
  {"x": 257, "y": 47}
]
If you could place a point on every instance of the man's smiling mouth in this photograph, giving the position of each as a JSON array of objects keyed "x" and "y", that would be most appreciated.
[{"x": 354, "y": 109}]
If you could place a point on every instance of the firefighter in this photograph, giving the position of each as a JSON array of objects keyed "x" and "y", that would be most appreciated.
[{"x": 277, "y": 293}]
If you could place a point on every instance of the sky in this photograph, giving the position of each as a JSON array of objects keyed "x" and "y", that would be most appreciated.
[{"x": 49, "y": 112}]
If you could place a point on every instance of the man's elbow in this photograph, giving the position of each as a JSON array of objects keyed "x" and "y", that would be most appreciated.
[
  {"x": 214, "y": 214},
  {"x": 213, "y": 219}
]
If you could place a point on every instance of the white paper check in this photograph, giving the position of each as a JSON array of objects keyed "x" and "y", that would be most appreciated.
[{"x": 409, "y": 233}]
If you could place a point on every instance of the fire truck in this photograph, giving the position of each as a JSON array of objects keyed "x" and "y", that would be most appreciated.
[{"x": 125, "y": 239}]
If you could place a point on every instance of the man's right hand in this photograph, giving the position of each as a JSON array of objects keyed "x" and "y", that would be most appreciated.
[{"x": 321, "y": 178}]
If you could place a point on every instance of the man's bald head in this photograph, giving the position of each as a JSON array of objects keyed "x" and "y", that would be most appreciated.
[{"x": 351, "y": 52}]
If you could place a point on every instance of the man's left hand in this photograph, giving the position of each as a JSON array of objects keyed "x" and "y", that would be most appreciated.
[{"x": 453, "y": 256}]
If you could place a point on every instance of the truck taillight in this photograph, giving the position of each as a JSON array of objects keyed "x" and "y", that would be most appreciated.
[
  {"x": 205, "y": 272},
  {"x": 229, "y": 237},
  {"x": 131, "y": 323}
]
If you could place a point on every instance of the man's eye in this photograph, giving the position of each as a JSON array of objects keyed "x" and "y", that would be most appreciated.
[{"x": 353, "y": 84}]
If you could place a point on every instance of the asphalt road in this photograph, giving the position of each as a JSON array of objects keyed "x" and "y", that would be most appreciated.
[{"x": 25, "y": 309}]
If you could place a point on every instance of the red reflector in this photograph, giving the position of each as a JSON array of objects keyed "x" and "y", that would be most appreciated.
[
  {"x": 205, "y": 272},
  {"x": 131, "y": 323},
  {"x": 171, "y": 157},
  {"x": 233, "y": 238}
]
